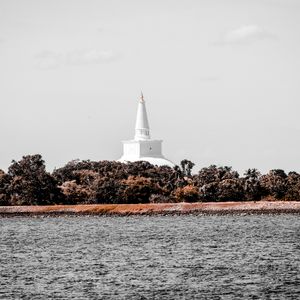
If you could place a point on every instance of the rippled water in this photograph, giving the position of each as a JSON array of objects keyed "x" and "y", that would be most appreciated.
[{"x": 158, "y": 257}]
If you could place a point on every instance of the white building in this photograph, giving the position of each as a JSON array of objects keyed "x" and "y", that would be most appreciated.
[{"x": 142, "y": 147}]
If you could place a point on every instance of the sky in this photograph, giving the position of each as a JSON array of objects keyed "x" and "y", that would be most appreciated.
[{"x": 221, "y": 80}]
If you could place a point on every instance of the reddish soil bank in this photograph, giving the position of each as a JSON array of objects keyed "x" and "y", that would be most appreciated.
[{"x": 259, "y": 207}]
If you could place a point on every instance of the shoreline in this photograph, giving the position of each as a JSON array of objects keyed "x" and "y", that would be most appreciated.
[{"x": 249, "y": 207}]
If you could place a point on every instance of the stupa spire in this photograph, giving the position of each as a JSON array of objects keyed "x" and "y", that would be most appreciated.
[
  {"x": 142, "y": 147},
  {"x": 142, "y": 129}
]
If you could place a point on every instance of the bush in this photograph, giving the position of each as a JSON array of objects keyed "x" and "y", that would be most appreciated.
[
  {"x": 188, "y": 193},
  {"x": 209, "y": 192},
  {"x": 158, "y": 198},
  {"x": 75, "y": 193},
  {"x": 137, "y": 189}
]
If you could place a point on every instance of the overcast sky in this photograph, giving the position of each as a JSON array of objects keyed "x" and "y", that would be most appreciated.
[{"x": 221, "y": 79}]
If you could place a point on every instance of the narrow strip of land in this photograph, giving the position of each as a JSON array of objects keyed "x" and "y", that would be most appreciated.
[{"x": 159, "y": 208}]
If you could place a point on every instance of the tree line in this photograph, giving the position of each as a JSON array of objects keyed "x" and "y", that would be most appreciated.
[{"x": 88, "y": 182}]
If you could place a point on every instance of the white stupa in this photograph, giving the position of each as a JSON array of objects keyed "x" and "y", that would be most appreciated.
[{"x": 142, "y": 147}]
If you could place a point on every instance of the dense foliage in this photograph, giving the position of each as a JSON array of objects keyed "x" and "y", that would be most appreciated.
[{"x": 28, "y": 183}]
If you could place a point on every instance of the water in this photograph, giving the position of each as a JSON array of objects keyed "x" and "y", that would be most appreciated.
[{"x": 158, "y": 257}]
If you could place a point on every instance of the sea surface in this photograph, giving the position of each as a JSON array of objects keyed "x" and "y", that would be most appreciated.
[{"x": 150, "y": 257}]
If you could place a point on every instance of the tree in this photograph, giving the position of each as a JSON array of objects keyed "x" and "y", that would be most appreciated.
[
  {"x": 186, "y": 167},
  {"x": 230, "y": 190},
  {"x": 274, "y": 183},
  {"x": 31, "y": 184},
  {"x": 4, "y": 185},
  {"x": 219, "y": 184},
  {"x": 214, "y": 174},
  {"x": 107, "y": 190},
  {"x": 28, "y": 182},
  {"x": 293, "y": 187},
  {"x": 209, "y": 192},
  {"x": 251, "y": 185}
]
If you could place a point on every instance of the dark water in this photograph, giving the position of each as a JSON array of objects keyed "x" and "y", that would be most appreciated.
[{"x": 167, "y": 257}]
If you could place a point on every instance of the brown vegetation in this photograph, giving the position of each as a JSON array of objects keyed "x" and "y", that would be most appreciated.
[
  {"x": 250, "y": 207},
  {"x": 108, "y": 182}
]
